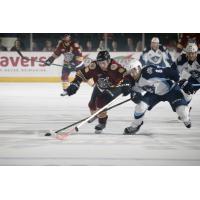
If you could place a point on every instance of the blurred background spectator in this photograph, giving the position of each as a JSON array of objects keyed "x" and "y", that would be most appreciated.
[
  {"x": 48, "y": 46},
  {"x": 35, "y": 46},
  {"x": 114, "y": 46},
  {"x": 18, "y": 46},
  {"x": 139, "y": 47},
  {"x": 130, "y": 45},
  {"x": 101, "y": 46},
  {"x": 2, "y": 47},
  {"x": 171, "y": 46},
  {"x": 88, "y": 46},
  {"x": 98, "y": 41}
]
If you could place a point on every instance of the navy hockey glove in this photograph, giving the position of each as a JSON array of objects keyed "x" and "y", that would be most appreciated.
[
  {"x": 108, "y": 93},
  {"x": 136, "y": 97},
  {"x": 125, "y": 88},
  {"x": 72, "y": 89},
  {"x": 186, "y": 86},
  {"x": 49, "y": 61}
]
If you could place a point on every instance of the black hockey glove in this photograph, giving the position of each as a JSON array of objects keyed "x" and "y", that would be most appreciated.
[
  {"x": 136, "y": 97},
  {"x": 49, "y": 61},
  {"x": 108, "y": 94},
  {"x": 186, "y": 86},
  {"x": 125, "y": 88},
  {"x": 72, "y": 89}
]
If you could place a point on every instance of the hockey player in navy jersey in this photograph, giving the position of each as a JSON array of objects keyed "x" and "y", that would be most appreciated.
[
  {"x": 156, "y": 55},
  {"x": 188, "y": 66},
  {"x": 159, "y": 84}
]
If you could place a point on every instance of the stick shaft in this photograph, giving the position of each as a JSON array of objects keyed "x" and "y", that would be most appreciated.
[
  {"x": 96, "y": 113},
  {"x": 75, "y": 123},
  {"x": 196, "y": 85},
  {"x": 38, "y": 61}
]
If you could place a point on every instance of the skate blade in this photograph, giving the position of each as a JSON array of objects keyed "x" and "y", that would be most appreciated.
[{"x": 98, "y": 131}]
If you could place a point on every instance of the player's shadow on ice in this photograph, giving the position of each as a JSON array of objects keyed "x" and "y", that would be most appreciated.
[
  {"x": 144, "y": 134},
  {"x": 118, "y": 134},
  {"x": 173, "y": 121}
]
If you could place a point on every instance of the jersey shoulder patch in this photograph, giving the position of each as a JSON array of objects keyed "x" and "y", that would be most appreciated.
[{"x": 148, "y": 71}]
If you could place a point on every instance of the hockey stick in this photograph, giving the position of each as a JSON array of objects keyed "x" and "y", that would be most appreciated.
[
  {"x": 38, "y": 61},
  {"x": 75, "y": 123},
  {"x": 85, "y": 120},
  {"x": 196, "y": 86},
  {"x": 76, "y": 128},
  {"x": 96, "y": 113}
]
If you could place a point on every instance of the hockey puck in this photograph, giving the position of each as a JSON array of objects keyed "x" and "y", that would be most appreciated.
[{"x": 47, "y": 134}]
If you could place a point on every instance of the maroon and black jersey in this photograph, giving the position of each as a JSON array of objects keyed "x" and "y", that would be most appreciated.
[
  {"x": 112, "y": 77},
  {"x": 71, "y": 51}
]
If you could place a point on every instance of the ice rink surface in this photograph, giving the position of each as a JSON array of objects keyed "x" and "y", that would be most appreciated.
[{"x": 28, "y": 110}]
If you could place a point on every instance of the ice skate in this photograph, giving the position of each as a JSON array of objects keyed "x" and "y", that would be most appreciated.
[
  {"x": 188, "y": 124},
  {"x": 179, "y": 118},
  {"x": 99, "y": 128},
  {"x": 131, "y": 130},
  {"x": 64, "y": 93}
]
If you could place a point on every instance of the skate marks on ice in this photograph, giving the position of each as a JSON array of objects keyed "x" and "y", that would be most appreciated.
[
  {"x": 148, "y": 147},
  {"x": 100, "y": 150},
  {"x": 156, "y": 143},
  {"x": 162, "y": 140},
  {"x": 145, "y": 138}
]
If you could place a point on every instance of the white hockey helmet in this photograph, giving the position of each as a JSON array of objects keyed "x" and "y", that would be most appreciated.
[
  {"x": 155, "y": 40},
  {"x": 191, "y": 48},
  {"x": 133, "y": 64}
]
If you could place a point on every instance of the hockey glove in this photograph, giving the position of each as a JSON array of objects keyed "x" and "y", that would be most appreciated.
[
  {"x": 49, "y": 61},
  {"x": 186, "y": 86},
  {"x": 108, "y": 93},
  {"x": 72, "y": 89},
  {"x": 136, "y": 97},
  {"x": 125, "y": 88}
]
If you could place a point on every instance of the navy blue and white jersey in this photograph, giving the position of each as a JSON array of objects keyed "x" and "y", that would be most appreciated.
[
  {"x": 161, "y": 57},
  {"x": 188, "y": 69},
  {"x": 157, "y": 80}
]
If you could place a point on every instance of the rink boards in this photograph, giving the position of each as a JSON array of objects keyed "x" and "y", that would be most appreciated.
[{"x": 15, "y": 69}]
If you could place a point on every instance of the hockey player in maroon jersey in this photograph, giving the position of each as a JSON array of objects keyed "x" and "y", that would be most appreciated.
[
  {"x": 73, "y": 58},
  {"x": 107, "y": 75}
]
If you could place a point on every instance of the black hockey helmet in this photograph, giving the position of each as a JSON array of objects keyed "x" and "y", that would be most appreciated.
[{"x": 103, "y": 55}]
